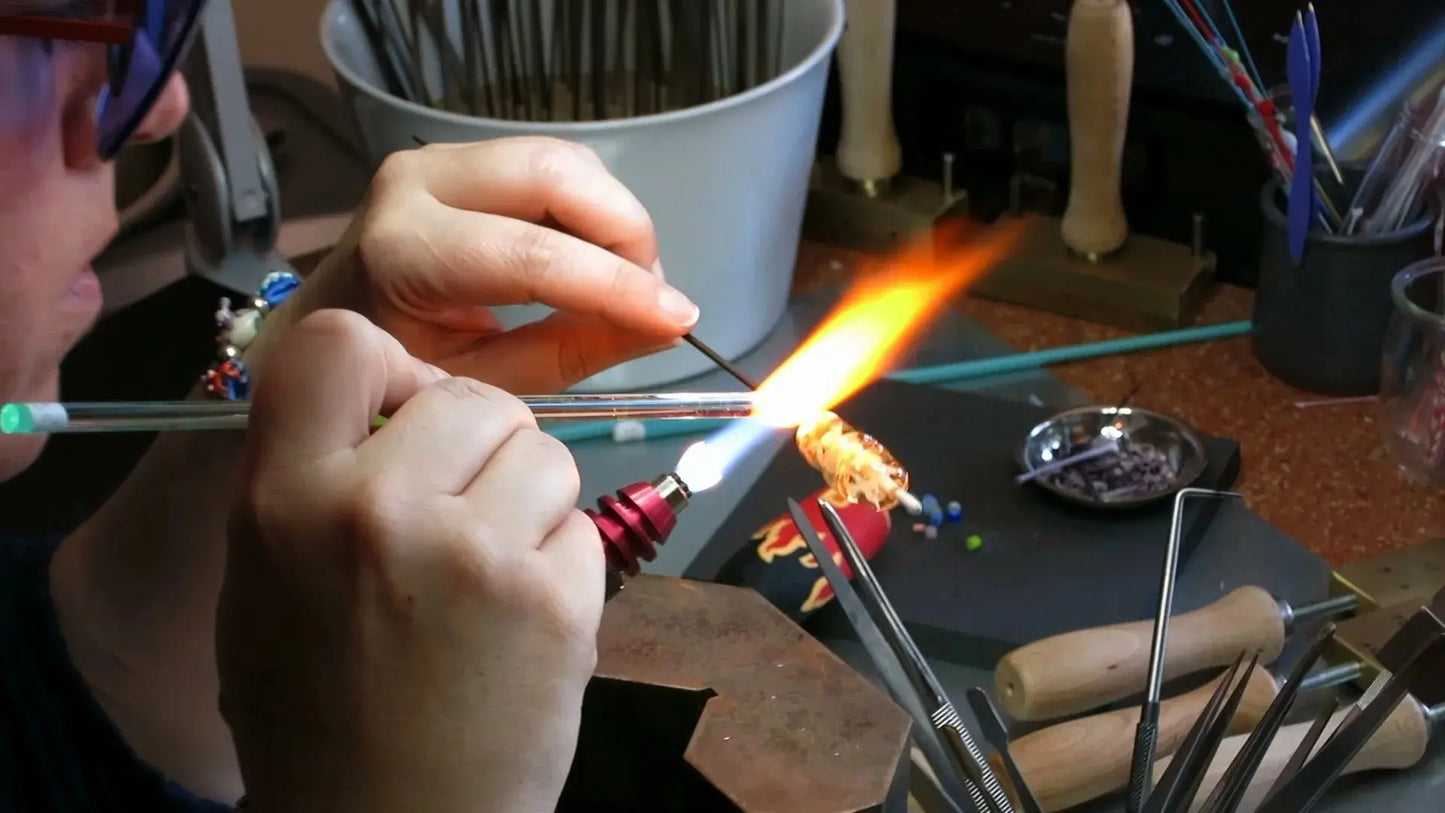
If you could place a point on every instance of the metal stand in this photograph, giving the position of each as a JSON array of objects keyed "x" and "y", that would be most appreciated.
[{"x": 227, "y": 176}]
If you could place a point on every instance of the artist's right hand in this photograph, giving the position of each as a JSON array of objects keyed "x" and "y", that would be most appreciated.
[{"x": 409, "y": 616}]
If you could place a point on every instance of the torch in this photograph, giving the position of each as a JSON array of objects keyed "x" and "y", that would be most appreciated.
[{"x": 635, "y": 521}]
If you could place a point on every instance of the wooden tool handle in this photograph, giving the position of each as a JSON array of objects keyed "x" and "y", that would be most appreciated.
[
  {"x": 868, "y": 150},
  {"x": 1072, "y": 762},
  {"x": 1077, "y": 671},
  {"x": 1400, "y": 743},
  {"x": 1099, "y": 69}
]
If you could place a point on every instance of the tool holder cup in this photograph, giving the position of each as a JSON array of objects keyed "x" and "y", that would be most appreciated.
[
  {"x": 1320, "y": 325},
  {"x": 723, "y": 173}
]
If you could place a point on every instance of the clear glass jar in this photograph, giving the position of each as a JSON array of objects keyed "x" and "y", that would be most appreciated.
[{"x": 1412, "y": 384}]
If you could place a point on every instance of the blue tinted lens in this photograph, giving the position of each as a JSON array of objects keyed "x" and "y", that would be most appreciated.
[{"x": 163, "y": 33}]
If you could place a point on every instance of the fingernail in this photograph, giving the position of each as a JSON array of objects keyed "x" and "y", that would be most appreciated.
[{"x": 677, "y": 307}]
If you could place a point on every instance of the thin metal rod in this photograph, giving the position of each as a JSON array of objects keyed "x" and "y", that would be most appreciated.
[
  {"x": 1187, "y": 755},
  {"x": 721, "y": 361},
  {"x": 154, "y": 416},
  {"x": 1147, "y": 733},
  {"x": 1326, "y": 608},
  {"x": 970, "y": 758}
]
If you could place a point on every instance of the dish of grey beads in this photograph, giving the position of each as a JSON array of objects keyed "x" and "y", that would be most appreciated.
[{"x": 1136, "y": 469}]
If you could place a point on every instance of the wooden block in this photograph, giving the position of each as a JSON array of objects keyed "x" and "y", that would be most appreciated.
[
  {"x": 840, "y": 213},
  {"x": 1149, "y": 284}
]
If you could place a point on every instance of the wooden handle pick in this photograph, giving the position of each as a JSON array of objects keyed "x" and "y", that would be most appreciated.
[
  {"x": 868, "y": 149},
  {"x": 1099, "y": 66},
  {"x": 1076, "y": 671},
  {"x": 1400, "y": 743},
  {"x": 1075, "y": 761}
]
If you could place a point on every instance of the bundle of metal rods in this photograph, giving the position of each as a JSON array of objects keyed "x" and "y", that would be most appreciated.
[
  {"x": 1321, "y": 755},
  {"x": 571, "y": 60}
]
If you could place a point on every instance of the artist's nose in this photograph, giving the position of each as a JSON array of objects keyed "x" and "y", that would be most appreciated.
[{"x": 167, "y": 114}]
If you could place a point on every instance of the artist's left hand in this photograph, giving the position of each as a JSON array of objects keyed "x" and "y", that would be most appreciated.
[{"x": 449, "y": 230}]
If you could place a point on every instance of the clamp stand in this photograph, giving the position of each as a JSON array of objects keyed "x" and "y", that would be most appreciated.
[
  {"x": 1087, "y": 264},
  {"x": 228, "y": 179}
]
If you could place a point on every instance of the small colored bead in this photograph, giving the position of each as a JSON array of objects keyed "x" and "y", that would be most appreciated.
[
  {"x": 277, "y": 286},
  {"x": 930, "y": 503},
  {"x": 935, "y": 518},
  {"x": 930, "y": 532},
  {"x": 228, "y": 379},
  {"x": 955, "y": 511},
  {"x": 974, "y": 542},
  {"x": 918, "y": 527}
]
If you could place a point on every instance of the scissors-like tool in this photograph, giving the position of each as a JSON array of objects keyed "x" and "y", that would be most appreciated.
[{"x": 1302, "y": 67}]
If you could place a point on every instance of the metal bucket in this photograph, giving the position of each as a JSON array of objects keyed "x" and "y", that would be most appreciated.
[{"x": 726, "y": 182}]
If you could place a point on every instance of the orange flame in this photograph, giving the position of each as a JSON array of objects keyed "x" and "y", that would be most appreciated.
[{"x": 874, "y": 323}]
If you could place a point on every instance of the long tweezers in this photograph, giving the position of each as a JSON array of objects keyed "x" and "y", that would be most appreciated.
[
  {"x": 1232, "y": 786},
  {"x": 967, "y": 755},
  {"x": 1303, "y": 792},
  {"x": 1181, "y": 779},
  {"x": 952, "y": 785},
  {"x": 1306, "y": 747}
]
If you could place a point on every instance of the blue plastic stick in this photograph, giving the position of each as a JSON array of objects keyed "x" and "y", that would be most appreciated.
[{"x": 946, "y": 373}]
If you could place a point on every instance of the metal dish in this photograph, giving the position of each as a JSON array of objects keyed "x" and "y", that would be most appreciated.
[{"x": 1083, "y": 428}]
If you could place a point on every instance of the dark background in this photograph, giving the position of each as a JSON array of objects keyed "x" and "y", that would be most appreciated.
[{"x": 984, "y": 79}]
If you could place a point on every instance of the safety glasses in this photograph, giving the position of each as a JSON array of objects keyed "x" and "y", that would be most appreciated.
[{"x": 145, "y": 40}]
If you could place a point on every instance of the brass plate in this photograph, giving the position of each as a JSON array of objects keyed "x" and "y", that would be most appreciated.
[
  {"x": 1147, "y": 285},
  {"x": 840, "y": 214}
]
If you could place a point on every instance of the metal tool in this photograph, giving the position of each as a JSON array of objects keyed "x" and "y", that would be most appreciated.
[
  {"x": 721, "y": 361},
  {"x": 960, "y": 751},
  {"x": 953, "y": 784},
  {"x": 1305, "y": 748},
  {"x": 1076, "y": 761},
  {"x": 1147, "y": 732},
  {"x": 995, "y": 733},
  {"x": 572, "y": 61},
  {"x": 1366, "y": 640},
  {"x": 1230, "y": 790},
  {"x": 1303, "y": 75},
  {"x": 1302, "y": 792},
  {"x": 670, "y": 722},
  {"x": 1201, "y": 742},
  {"x": 945, "y": 717},
  {"x": 1402, "y": 742}
]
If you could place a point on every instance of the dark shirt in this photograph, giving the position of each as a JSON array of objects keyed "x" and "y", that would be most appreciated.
[{"x": 58, "y": 750}]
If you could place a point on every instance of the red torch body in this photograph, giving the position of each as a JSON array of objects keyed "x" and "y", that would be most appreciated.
[{"x": 635, "y": 522}]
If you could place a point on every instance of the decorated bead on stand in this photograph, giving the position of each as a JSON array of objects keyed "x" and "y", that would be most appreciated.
[{"x": 227, "y": 377}]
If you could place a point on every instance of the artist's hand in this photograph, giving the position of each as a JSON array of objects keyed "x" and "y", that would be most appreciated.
[
  {"x": 449, "y": 230},
  {"x": 409, "y": 617}
]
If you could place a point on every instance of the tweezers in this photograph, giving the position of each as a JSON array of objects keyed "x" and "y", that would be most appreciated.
[{"x": 939, "y": 731}]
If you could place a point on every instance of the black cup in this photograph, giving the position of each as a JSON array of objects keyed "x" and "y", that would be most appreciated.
[{"x": 1320, "y": 326}]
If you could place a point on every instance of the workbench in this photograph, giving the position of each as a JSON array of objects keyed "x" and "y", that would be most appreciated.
[{"x": 1238, "y": 549}]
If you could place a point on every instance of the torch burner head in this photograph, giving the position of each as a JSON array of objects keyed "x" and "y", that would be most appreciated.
[{"x": 637, "y": 520}]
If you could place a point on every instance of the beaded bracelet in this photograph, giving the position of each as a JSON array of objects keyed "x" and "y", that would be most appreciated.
[{"x": 227, "y": 377}]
